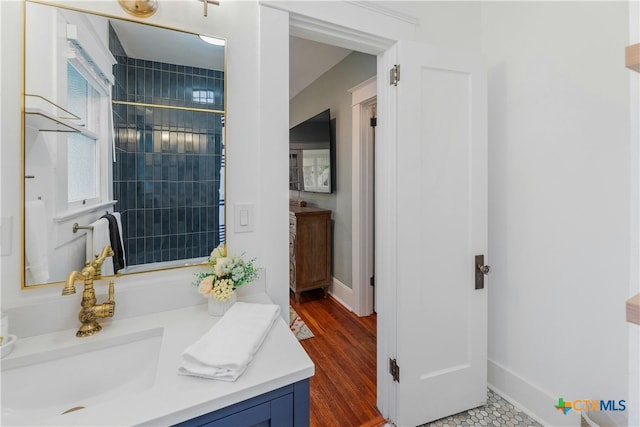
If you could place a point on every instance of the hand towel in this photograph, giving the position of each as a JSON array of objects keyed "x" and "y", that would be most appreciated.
[
  {"x": 116, "y": 242},
  {"x": 225, "y": 351},
  {"x": 119, "y": 220},
  {"x": 97, "y": 239},
  {"x": 36, "y": 242}
]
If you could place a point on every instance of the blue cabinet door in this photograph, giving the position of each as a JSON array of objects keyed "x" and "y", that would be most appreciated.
[
  {"x": 256, "y": 416},
  {"x": 285, "y": 407},
  {"x": 282, "y": 411}
]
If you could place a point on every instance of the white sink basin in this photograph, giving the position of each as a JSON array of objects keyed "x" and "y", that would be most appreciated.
[{"x": 90, "y": 372}]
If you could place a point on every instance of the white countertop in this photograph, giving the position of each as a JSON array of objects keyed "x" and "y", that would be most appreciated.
[{"x": 174, "y": 398}]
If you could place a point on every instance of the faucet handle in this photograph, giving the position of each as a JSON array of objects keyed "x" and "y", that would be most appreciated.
[
  {"x": 111, "y": 292},
  {"x": 107, "y": 251},
  {"x": 108, "y": 308}
]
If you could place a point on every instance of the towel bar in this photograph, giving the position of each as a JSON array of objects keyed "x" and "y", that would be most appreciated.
[{"x": 77, "y": 227}]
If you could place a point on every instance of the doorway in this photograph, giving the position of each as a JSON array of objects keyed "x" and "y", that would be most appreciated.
[
  {"x": 352, "y": 294},
  {"x": 344, "y": 82},
  {"x": 373, "y": 30},
  {"x": 364, "y": 116}
]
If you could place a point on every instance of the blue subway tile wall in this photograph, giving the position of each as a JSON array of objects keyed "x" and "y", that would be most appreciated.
[{"x": 167, "y": 171}]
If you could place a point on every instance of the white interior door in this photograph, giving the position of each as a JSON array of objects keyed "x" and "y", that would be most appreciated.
[{"x": 441, "y": 224}]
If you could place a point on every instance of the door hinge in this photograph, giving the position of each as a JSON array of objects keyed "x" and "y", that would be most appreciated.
[
  {"x": 373, "y": 122},
  {"x": 394, "y": 75},
  {"x": 372, "y": 281},
  {"x": 394, "y": 370}
]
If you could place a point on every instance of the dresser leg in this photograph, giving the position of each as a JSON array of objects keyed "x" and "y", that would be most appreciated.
[
  {"x": 297, "y": 297},
  {"x": 326, "y": 291}
]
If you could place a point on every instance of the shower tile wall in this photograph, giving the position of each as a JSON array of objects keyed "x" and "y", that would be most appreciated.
[{"x": 167, "y": 171}]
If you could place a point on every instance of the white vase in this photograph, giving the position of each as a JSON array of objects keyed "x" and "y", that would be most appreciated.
[{"x": 218, "y": 308}]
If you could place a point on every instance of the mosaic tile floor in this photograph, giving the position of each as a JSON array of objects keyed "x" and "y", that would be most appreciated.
[{"x": 497, "y": 412}]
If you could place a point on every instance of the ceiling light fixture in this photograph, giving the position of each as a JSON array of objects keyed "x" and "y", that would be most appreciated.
[
  {"x": 139, "y": 8},
  {"x": 212, "y": 40}
]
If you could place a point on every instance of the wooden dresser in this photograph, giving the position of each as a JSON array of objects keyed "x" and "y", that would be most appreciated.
[{"x": 309, "y": 249}]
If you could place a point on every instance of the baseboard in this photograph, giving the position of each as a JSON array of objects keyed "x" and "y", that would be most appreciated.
[
  {"x": 528, "y": 397},
  {"x": 342, "y": 293}
]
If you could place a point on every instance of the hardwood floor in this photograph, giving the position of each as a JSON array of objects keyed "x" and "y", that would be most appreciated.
[{"x": 343, "y": 389}]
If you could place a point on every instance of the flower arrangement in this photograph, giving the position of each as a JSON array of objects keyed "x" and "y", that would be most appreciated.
[{"x": 228, "y": 273}]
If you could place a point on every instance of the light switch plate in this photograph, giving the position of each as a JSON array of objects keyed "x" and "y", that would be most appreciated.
[{"x": 243, "y": 218}]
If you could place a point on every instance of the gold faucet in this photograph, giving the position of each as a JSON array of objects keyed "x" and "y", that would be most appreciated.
[{"x": 90, "y": 311}]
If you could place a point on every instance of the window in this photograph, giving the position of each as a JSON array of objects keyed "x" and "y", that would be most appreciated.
[
  {"x": 203, "y": 97},
  {"x": 83, "y": 170},
  {"x": 316, "y": 170},
  {"x": 81, "y": 160}
]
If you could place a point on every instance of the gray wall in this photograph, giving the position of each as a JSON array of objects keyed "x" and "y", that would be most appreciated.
[{"x": 331, "y": 91}]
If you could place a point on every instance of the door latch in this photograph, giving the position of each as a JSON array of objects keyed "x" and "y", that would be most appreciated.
[{"x": 481, "y": 270}]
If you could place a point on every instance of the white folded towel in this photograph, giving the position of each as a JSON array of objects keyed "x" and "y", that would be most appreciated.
[
  {"x": 97, "y": 239},
  {"x": 224, "y": 352},
  {"x": 36, "y": 242}
]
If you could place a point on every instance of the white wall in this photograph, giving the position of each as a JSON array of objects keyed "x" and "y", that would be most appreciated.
[
  {"x": 10, "y": 139},
  {"x": 559, "y": 176},
  {"x": 273, "y": 138},
  {"x": 454, "y": 24},
  {"x": 5, "y": 229}
]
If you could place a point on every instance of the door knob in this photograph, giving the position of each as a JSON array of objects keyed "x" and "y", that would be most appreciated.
[{"x": 484, "y": 269}]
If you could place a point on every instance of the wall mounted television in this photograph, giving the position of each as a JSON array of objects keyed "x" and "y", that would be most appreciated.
[{"x": 312, "y": 154}]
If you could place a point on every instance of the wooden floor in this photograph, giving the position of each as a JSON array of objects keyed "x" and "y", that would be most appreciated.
[{"x": 343, "y": 389}]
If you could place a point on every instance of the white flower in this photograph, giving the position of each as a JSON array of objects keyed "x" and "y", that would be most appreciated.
[
  {"x": 223, "y": 289},
  {"x": 237, "y": 273},
  {"x": 223, "y": 266}
]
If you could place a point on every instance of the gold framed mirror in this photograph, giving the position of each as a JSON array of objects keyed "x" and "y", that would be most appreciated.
[{"x": 123, "y": 119}]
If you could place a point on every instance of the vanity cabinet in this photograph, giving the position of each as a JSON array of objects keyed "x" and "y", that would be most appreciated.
[
  {"x": 309, "y": 249},
  {"x": 287, "y": 406}
]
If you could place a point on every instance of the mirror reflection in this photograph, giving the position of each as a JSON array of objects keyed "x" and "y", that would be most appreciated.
[
  {"x": 312, "y": 155},
  {"x": 123, "y": 144}
]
